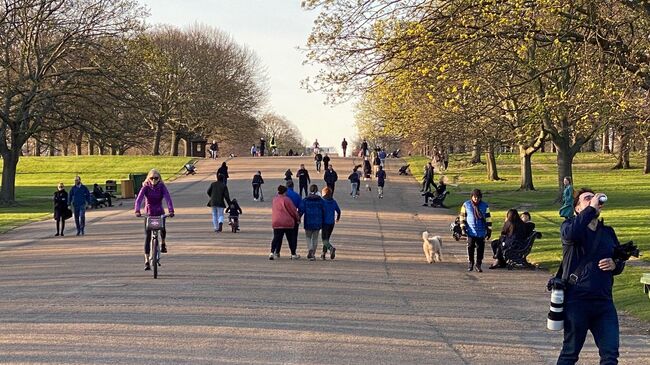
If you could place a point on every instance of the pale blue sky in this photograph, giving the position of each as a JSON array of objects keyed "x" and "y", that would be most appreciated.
[{"x": 273, "y": 29}]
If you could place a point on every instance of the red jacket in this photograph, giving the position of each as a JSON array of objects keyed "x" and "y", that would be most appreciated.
[{"x": 283, "y": 213}]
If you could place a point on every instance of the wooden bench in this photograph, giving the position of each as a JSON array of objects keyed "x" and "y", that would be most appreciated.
[{"x": 645, "y": 280}]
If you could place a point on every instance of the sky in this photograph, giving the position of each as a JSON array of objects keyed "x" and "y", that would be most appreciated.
[{"x": 273, "y": 29}]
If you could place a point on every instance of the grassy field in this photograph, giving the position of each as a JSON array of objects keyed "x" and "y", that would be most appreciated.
[
  {"x": 37, "y": 178},
  {"x": 627, "y": 209}
]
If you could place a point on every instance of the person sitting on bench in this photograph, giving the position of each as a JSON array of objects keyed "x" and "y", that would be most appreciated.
[
  {"x": 101, "y": 196},
  {"x": 514, "y": 229}
]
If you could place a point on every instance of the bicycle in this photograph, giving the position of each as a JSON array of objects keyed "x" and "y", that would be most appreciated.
[{"x": 155, "y": 224}]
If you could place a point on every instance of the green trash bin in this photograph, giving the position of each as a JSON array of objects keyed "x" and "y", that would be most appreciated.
[{"x": 137, "y": 179}]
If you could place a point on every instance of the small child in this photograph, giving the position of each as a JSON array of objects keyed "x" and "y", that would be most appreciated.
[
  {"x": 288, "y": 175},
  {"x": 381, "y": 179},
  {"x": 234, "y": 210},
  {"x": 354, "y": 183}
]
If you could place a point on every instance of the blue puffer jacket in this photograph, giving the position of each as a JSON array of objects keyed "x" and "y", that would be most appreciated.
[
  {"x": 313, "y": 209},
  {"x": 476, "y": 227},
  {"x": 592, "y": 283}
]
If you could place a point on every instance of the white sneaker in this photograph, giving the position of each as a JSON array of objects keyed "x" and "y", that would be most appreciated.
[
  {"x": 295, "y": 257},
  {"x": 254, "y": 199},
  {"x": 271, "y": 256}
]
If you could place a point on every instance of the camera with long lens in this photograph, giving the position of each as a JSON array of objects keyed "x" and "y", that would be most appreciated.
[
  {"x": 625, "y": 251},
  {"x": 555, "y": 320}
]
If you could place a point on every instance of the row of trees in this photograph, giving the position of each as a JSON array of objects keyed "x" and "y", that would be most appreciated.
[
  {"x": 88, "y": 76},
  {"x": 490, "y": 73}
]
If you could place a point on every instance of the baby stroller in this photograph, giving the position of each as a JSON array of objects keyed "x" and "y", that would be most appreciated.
[
  {"x": 404, "y": 170},
  {"x": 455, "y": 229},
  {"x": 190, "y": 169}
]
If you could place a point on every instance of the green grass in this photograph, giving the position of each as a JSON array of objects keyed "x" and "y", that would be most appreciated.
[
  {"x": 626, "y": 210},
  {"x": 37, "y": 177}
]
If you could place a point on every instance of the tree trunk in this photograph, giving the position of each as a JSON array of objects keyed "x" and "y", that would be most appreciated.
[
  {"x": 623, "y": 150},
  {"x": 8, "y": 189},
  {"x": 476, "y": 153},
  {"x": 565, "y": 158},
  {"x": 114, "y": 150},
  {"x": 526, "y": 170},
  {"x": 175, "y": 141},
  {"x": 492, "y": 173},
  {"x": 37, "y": 148},
  {"x": 646, "y": 165},
  {"x": 91, "y": 147},
  {"x": 188, "y": 147},
  {"x": 65, "y": 148},
  {"x": 157, "y": 138},
  {"x": 606, "y": 148}
]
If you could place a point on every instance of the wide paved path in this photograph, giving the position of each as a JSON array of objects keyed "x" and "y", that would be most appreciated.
[{"x": 219, "y": 300}]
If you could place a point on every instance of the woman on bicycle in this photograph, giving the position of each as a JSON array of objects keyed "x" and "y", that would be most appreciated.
[{"x": 153, "y": 192}]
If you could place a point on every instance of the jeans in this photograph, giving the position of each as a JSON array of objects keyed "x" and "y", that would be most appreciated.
[
  {"x": 597, "y": 316},
  {"x": 477, "y": 243},
  {"x": 312, "y": 241},
  {"x": 380, "y": 190},
  {"x": 354, "y": 189},
  {"x": 326, "y": 233},
  {"x": 256, "y": 191},
  {"x": 80, "y": 217},
  {"x": 318, "y": 166},
  {"x": 217, "y": 216}
]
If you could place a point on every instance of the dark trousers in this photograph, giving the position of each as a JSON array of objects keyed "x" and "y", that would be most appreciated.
[
  {"x": 326, "y": 233},
  {"x": 62, "y": 224},
  {"x": 478, "y": 244},
  {"x": 303, "y": 186},
  {"x": 331, "y": 186},
  {"x": 147, "y": 239},
  {"x": 344, "y": 149},
  {"x": 256, "y": 191},
  {"x": 278, "y": 233},
  {"x": 597, "y": 316},
  {"x": 497, "y": 250}
]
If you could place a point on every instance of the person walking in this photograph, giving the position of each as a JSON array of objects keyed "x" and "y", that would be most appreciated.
[
  {"x": 303, "y": 179},
  {"x": 427, "y": 179},
  {"x": 60, "y": 208},
  {"x": 364, "y": 148},
  {"x": 253, "y": 151},
  {"x": 476, "y": 224},
  {"x": 313, "y": 210},
  {"x": 331, "y": 207},
  {"x": 382, "y": 158},
  {"x": 219, "y": 199},
  {"x": 316, "y": 146},
  {"x": 566, "y": 211},
  {"x": 223, "y": 171},
  {"x": 354, "y": 183},
  {"x": 367, "y": 170},
  {"x": 288, "y": 175},
  {"x": 262, "y": 147},
  {"x": 381, "y": 180},
  {"x": 326, "y": 160},
  {"x": 589, "y": 264},
  {"x": 295, "y": 199},
  {"x": 284, "y": 217},
  {"x": 257, "y": 185},
  {"x": 318, "y": 158},
  {"x": 376, "y": 162},
  {"x": 79, "y": 198},
  {"x": 330, "y": 177},
  {"x": 274, "y": 147},
  {"x": 344, "y": 146},
  {"x": 152, "y": 193},
  {"x": 214, "y": 150}
]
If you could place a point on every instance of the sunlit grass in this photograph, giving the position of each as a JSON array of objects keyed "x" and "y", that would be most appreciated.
[
  {"x": 627, "y": 209},
  {"x": 37, "y": 177}
]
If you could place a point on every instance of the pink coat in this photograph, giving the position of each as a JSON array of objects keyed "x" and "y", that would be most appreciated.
[{"x": 283, "y": 213}]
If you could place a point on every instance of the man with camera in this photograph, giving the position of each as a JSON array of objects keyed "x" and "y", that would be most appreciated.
[{"x": 591, "y": 258}]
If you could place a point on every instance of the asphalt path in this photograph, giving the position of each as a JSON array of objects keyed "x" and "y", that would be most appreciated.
[{"x": 219, "y": 300}]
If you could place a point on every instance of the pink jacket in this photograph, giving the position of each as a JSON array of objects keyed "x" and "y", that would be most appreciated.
[{"x": 283, "y": 213}]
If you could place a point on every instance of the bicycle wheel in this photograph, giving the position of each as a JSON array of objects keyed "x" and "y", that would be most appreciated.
[{"x": 154, "y": 256}]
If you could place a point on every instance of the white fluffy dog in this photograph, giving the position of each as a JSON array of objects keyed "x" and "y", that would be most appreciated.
[{"x": 432, "y": 246}]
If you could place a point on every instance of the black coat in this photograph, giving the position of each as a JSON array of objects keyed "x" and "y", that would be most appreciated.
[
  {"x": 60, "y": 200},
  {"x": 303, "y": 176},
  {"x": 330, "y": 177}
]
